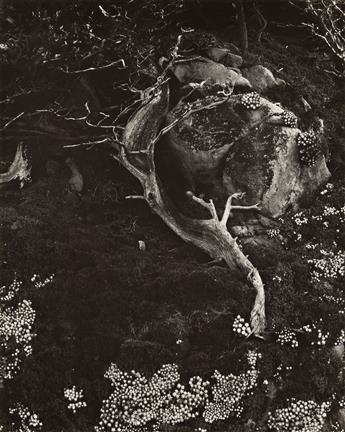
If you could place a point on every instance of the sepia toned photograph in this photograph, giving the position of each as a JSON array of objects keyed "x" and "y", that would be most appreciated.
[{"x": 172, "y": 215}]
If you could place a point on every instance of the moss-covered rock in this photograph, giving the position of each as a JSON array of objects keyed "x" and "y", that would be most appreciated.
[{"x": 232, "y": 146}]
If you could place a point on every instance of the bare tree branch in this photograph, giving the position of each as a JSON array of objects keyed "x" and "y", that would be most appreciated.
[
  {"x": 330, "y": 16},
  {"x": 90, "y": 69},
  {"x": 210, "y": 235}
]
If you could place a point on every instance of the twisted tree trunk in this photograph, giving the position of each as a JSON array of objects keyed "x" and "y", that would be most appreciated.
[{"x": 136, "y": 154}]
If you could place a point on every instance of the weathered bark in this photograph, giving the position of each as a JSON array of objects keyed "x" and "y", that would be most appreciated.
[
  {"x": 20, "y": 168},
  {"x": 136, "y": 154}
]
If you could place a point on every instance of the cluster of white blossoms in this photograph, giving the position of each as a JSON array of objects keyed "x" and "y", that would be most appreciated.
[
  {"x": 9, "y": 292},
  {"x": 28, "y": 420},
  {"x": 241, "y": 327},
  {"x": 39, "y": 283},
  {"x": 308, "y": 148},
  {"x": 299, "y": 219},
  {"x": 321, "y": 338},
  {"x": 16, "y": 334},
  {"x": 289, "y": 119},
  {"x": 75, "y": 398},
  {"x": 281, "y": 371},
  {"x": 327, "y": 262},
  {"x": 340, "y": 339},
  {"x": 299, "y": 416},
  {"x": 287, "y": 337},
  {"x": 329, "y": 211},
  {"x": 137, "y": 401},
  {"x": 330, "y": 216},
  {"x": 229, "y": 391},
  {"x": 332, "y": 299},
  {"x": 316, "y": 335},
  {"x": 251, "y": 101},
  {"x": 330, "y": 266},
  {"x": 12, "y": 364},
  {"x": 138, "y": 404},
  {"x": 273, "y": 232},
  {"x": 328, "y": 188}
]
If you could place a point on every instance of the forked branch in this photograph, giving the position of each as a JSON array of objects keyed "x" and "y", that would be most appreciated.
[{"x": 136, "y": 154}]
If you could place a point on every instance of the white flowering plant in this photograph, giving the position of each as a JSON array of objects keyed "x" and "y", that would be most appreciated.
[
  {"x": 141, "y": 404},
  {"x": 299, "y": 416},
  {"x": 17, "y": 320},
  {"x": 16, "y": 334},
  {"x": 25, "y": 419},
  {"x": 75, "y": 399}
]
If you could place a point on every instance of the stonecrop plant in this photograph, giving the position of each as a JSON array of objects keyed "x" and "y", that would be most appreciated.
[
  {"x": 141, "y": 404},
  {"x": 228, "y": 392},
  {"x": 26, "y": 420},
  {"x": 16, "y": 333},
  {"x": 287, "y": 337},
  {"x": 17, "y": 319},
  {"x": 313, "y": 229},
  {"x": 308, "y": 148},
  {"x": 251, "y": 101},
  {"x": 241, "y": 327},
  {"x": 331, "y": 265},
  {"x": 289, "y": 119},
  {"x": 137, "y": 402},
  {"x": 299, "y": 416},
  {"x": 75, "y": 398}
]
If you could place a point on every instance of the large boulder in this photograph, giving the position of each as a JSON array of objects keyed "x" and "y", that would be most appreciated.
[{"x": 247, "y": 143}]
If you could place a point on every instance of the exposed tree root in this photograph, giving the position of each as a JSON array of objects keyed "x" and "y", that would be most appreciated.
[{"x": 20, "y": 168}]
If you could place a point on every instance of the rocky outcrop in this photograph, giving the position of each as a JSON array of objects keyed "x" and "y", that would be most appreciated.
[
  {"x": 222, "y": 67},
  {"x": 202, "y": 69},
  {"x": 291, "y": 183},
  {"x": 250, "y": 147}
]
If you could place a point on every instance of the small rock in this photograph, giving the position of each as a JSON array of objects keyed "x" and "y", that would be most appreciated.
[
  {"x": 261, "y": 78},
  {"x": 76, "y": 181},
  {"x": 142, "y": 246},
  {"x": 224, "y": 56}
]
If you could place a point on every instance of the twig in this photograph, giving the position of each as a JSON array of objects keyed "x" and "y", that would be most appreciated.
[
  {"x": 90, "y": 69},
  {"x": 139, "y": 197},
  {"x": 104, "y": 140},
  {"x": 12, "y": 120},
  {"x": 16, "y": 95}
]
